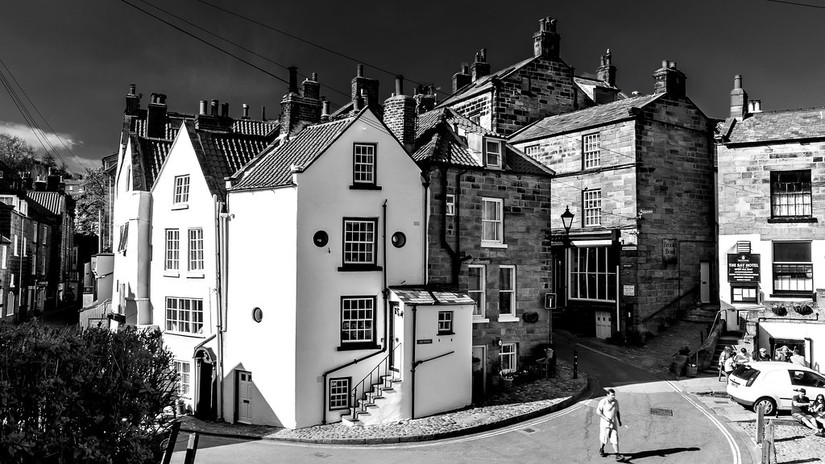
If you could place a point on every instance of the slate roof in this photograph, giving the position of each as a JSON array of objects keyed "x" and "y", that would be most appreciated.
[
  {"x": 273, "y": 167},
  {"x": 484, "y": 84},
  {"x": 150, "y": 153},
  {"x": 255, "y": 127},
  {"x": 425, "y": 295},
  {"x": 582, "y": 119},
  {"x": 588, "y": 84},
  {"x": 776, "y": 126},
  {"x": 437, "y": 141}
]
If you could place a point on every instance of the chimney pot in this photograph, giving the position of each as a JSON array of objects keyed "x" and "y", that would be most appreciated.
[
  {"x": 399, "y": 84},
  {"x": 359, "y": 70},
  {"x": 737, "y": 81},
  {"x": 315, "y": 76},
  {"x": 225, "y": 110},
  {"x": 202, "y": 108},
  {"x": 214, "y": 107},
  {"x": 132, "y": 89},
  {"x": 263, "y": 113},
  {"x": 245, "y": 111},
  {"x": 293, "y": 79}
]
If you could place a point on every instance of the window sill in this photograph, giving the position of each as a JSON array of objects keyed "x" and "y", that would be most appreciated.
[
  {"x": 183, "y": 334},
  {"x": 493, "y": 245},
  {"x": 194, "y": 275},
  {"x": 178, "y": 206},
  {"x": 445, "y": 334},
  {"x": 364, "y": 187},
  {"x": 359, "y": 268},
  {"x": 508, "y": 318},
  {"x": 807, "y": 295},
  {"x": 171, "y": 274},
  {"x": 787, "y": 220},
  {"x": 480, "y": 320},
  {"x": 359, "y": 346}
]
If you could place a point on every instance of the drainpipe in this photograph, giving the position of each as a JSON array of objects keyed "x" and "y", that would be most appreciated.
[
  {"x": 385, "y": 292},
  {"x": 455, "y": 254},
  {"x": 221, "y": 226},
  {"x": 412, "y": 370}
]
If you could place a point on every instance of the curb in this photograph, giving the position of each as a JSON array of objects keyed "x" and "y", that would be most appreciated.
[{"x": 567, "y": 402}]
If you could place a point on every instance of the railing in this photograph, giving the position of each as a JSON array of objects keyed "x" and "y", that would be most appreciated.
[{"x": 359, "y": 391}]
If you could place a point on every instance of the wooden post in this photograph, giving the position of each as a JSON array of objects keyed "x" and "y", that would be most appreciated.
[
  {"x": 768, "y": 449},
  {"x": 191, "y": 449},
  {"x": 173, "y": 439},
  {"x": 760, "y": 423}
]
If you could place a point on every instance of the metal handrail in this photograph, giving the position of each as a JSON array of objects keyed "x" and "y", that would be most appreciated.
[{"x": 374, "y": 373}]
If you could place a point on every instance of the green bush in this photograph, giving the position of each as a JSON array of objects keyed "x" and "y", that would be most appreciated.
[{"x": 92, "y": 396}]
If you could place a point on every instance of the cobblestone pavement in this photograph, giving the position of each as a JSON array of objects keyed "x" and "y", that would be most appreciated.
[
  {"x": 794, "y": 443},
  {"x": 520, "y": 402}
]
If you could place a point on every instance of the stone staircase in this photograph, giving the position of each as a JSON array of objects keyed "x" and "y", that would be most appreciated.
[
  {"x": 380, "y": 404},
  {"x": 732, "y": 338}
]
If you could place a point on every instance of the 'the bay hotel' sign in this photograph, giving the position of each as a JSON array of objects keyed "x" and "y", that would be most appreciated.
[{"x": 743, "y": 268}]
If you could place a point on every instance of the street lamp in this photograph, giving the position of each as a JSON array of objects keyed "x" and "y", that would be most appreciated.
[{"x": 567, "y": 220}]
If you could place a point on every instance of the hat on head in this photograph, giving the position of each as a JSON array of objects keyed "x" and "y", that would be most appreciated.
[
  {"x": 763, "y": 349},
  {"x": 801, "y": 390}
]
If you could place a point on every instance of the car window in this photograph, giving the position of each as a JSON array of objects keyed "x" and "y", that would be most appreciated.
[
  {"x": 806, "y": 379},
  {"x": 745, "y": 372}
]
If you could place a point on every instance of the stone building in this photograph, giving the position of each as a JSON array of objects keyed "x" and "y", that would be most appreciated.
[
  {"x": 771, "y": 167},
  {"x": 637, "y": 174},
  {"x": 539, "y": 86},
  {"x": 487, "y": 234}
]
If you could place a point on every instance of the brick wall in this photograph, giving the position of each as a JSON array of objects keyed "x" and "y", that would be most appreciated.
[{"x": 526, "y": 213}]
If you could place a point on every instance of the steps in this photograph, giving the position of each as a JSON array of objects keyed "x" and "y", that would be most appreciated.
[
  {"x": 732, "y": 338},
  {"x": 377, "y": 405}
]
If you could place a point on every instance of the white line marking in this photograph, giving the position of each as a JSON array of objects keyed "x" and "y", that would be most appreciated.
[
  {"x": 599, "y": 352},
  {"x": 734, "y": 448}
]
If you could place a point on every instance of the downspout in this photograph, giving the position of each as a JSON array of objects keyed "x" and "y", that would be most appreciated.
[
  {"x": 412, "y": 370},
  {"x": 221, "y": 226},
  {"x": 455, "y": 254},
  {"x": 426, "y": 222},
  {"x": 385, "y": 292}
]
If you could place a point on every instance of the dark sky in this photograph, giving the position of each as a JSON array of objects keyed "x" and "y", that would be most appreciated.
[{"x": 75, "y": 59}]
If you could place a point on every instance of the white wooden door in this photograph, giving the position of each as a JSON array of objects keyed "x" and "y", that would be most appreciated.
[
  {"x": 244, "y": 397},
  {"x": 704, "y": 277},
  {"x": 604, "y": 324}
]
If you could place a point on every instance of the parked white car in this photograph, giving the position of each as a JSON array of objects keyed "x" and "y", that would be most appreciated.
[{"x": 772, "y": 383}]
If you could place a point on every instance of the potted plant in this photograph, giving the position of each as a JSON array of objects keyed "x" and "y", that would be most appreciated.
[{"x": 507, "y": 376}]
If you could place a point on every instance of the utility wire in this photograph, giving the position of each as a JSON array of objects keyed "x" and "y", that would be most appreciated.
[
  {"x": 39, "y": 134},
  {"x": 797, "y": 4},
  {"x": 233, "y": 43},
  {"x": 327, "y": 49}
]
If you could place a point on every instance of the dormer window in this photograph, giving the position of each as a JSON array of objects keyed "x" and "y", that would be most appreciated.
[
  {"x": 363, "y": 166},
  {"x": 492, "y": 153}
]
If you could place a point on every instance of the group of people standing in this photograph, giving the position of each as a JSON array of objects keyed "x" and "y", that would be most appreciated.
[{"x": 729, "y": 359}]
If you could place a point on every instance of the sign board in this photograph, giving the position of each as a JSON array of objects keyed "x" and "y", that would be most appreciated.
[
  {"x": 628, "y": 290},
  {"x": 425, "y": 341},
  {"x": 669, "y": 250},
  {"x": 629, "y": 248},
  {"x": 549, "y": 301},
  {"x": 743, "y": 268},
  {"x": 629, "y": 237}
]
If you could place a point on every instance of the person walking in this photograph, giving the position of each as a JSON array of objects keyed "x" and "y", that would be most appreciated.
[{"x": 610, "y": 420}]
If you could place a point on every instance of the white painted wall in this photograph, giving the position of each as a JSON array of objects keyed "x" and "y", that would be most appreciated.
[
  {"x": 199, "y": 213},
  {"x": 262, "y": 273}
]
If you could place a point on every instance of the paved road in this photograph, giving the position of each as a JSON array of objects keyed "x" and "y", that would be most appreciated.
[{"x": 664, "y": 425}]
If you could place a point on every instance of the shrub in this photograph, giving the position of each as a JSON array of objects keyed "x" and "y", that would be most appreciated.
[
  {"x": 803, "y": 309},
  {"x": 779, "y": 310},
  {"x": 92, "y": 396}
]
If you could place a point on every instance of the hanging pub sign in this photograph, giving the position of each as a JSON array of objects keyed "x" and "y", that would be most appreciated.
[
  {"x": 743, "y": 267},
  {"x": 669, "y": 250}
]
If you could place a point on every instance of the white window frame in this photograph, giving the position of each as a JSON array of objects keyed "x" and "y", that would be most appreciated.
[
  {"x": 171, "y": 255},
  {"x": 508, "y": 293},
  {"x": 184, "y": 315},
  {"x": 184, "y": 370},
  {"x": 358, "y": 321},
  {"x": 493, "y": 224},
  {"x": 180, "y": 194},
  {"x": 533, "y": 151},
  {"x": 16, "y": 246},
  {"x": 591, "y": 150},
  {"x": 5, "y": 256},
  {"x": 580, "y": 280},
  {"x": 339, "y": 389},
  {"x": 496, "y": 154},
  {"x": 592, "y": 207},
  {"x": 508, "y": 357},
  {"x": 195, "y": 261},
  {"x": 797, "y": 281},
  {"x": 480, "y": 311},
  {"x": 445, "y": 323},
  {"x": 360, "y": 242},
  {"x": 450, "y": 204},
  {"x": 364, "y": 157},
  {"x": 25, "y": 251}
]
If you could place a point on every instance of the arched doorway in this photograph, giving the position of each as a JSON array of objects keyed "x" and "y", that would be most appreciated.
[{"x": 207, "y": 386}]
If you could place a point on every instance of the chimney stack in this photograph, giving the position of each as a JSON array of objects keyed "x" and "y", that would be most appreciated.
[
  {"x": 298, "y": 109},
  {"x": 132, "y": 101},
  {"x": 606, "y": 71},
  {"x": 481, "y": 67},
  {"x": 462, "y": 78},
  {"x": 546, "y": 41},
  {"x": 364, "y": 89},
  {"x": 670, "y": 80},
  {"x": 400, "y": 115},
  {"x": 156, "y": 116},
  {"x": 738, "y": 99}
]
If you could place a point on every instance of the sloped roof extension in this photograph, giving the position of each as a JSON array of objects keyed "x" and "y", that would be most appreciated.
[{"x": 777, "y": 126}]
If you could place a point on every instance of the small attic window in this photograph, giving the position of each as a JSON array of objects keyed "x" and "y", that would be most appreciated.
[{"x": 492, "y": 153}]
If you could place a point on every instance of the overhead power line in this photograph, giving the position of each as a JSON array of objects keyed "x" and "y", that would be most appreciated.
[{"x": 820, "y": 7}]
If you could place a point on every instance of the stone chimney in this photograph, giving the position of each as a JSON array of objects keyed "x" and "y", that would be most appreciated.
[
  {"x": 300, "y": 109},
  {"x": 425, "y": 98},
  {"x": 462, "y": 78},
  {"x": 481, "y": 67},
  {"x": 400, "y": 115},
  {"x": 670, "y": 80},
  {"x": 213, "y": 116},
  {"x": 606, "y": 71},
  {"x": 156, "y": 116},
  {"x": 132, "y": 101},
  {"x": 546, "y": 40},
  {"x": 364, "y": 90},
  {"x": 738, "y": 99}
]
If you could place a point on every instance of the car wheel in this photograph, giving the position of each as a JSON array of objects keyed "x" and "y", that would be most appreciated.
[{"x": 769, "y": 403}]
